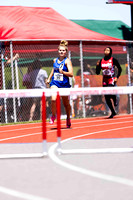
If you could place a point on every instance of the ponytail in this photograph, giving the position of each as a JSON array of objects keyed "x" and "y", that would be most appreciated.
[{"x": 64, "y": 43}]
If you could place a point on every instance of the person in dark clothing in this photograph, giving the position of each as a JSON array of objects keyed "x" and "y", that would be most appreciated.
[{"x": 107, "y": 65}]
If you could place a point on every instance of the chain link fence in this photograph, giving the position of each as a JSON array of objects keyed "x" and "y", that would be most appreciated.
[{"x": 83, "y": 55}]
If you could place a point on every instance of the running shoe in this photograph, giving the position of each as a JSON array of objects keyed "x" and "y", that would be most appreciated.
[
  {"x": 52, "y": 119},
  {"x": 68, "y": 123},
  {"x": 112, "y": 115}
]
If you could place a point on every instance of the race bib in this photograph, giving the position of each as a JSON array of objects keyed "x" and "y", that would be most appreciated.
[{"x": 58, "y": 77}]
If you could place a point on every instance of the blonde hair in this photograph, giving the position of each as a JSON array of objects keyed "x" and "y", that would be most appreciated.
[{"x": 63, "y": 43}]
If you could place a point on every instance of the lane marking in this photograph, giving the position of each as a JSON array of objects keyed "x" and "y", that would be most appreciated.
[
  {"x": 21, "y": 195},
  {"x": 115, "y": 123},
  {"x": 116, "y": 179},
  {"x": 86, "y": 121},
  {"x": 78, "y": 136},
  {"x": 20, "y": 136},
  {"x": 19, "y": 129},
  {"x": 52, "y": 155},
  {"x": 67, "y": 129},
  {"x": 27, "y": 135}
]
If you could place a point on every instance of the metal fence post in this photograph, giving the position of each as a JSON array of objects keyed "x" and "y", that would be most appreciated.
[
  {"x": 129, "y": 79},
  {"x": 17, "y": 79},
  {"x": 4, "y": 86},
  {"x": 82, "y": 77},
  {"x": 71, "y": 83},
  {"x": 13, "y": 81}
]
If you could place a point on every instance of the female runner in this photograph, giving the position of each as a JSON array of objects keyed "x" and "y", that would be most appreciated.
[
  {"x": 107, "y": 65},
  {"x": 62, "y": 70}
]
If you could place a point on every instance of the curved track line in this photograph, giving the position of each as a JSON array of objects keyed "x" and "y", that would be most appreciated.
[
  {"x": 20, "y": 195},
  {"x": 91, "y": 173},
  {"x": 108, "y": 130}
]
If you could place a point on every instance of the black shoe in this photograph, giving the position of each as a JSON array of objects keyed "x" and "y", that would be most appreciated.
[
  {"x": 68, "y": 123},
  {"x": 112, "y": 115}
]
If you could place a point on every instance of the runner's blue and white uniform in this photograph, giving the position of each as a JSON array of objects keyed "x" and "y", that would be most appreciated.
[{"x": 58, "y": 79}]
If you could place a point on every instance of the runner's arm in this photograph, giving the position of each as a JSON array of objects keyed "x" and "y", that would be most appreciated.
[
  {"x": 98, "y": 67},
  {"x": 70, "y": 69}
]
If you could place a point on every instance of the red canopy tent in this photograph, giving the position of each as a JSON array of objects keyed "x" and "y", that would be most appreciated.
[{"x": 26, "y": 23}]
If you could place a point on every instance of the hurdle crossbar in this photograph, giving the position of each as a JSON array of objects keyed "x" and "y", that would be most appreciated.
[{"x": 31, "y": 155}]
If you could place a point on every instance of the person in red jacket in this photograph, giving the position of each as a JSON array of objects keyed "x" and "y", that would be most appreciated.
[{"x": 107, "y": 65}]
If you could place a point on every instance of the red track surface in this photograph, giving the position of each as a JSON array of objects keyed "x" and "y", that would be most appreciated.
[{"x": 118, "y": 127}]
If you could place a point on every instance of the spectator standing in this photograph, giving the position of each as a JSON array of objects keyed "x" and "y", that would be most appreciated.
[
  {"x": 38, "y": 81},
  {"x": 26, "y": 103},
  {"x": 27, "y": 78}
]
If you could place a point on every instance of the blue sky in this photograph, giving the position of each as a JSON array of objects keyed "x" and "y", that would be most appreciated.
[{"x": 80, "y": 9}]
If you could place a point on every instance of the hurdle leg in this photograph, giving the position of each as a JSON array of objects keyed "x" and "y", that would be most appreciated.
[
  {"x": 58, "y": 122},
  {"x": 44, "y": 124}
]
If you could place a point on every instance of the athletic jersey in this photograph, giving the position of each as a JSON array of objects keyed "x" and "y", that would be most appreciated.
[
  {"x": 58, "y": 79},
  {"x": 108, "y": 68}
]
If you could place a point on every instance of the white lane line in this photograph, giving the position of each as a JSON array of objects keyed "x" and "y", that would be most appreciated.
[
  {"x": 73, "y": 127},
  {"x": 86, "y": 121},
  {"x": 105, "y": 124},
  {"x": 20, "y": 136},
  {"x": 19, "y": 129},
  {"x": 116, "y": 179},
  {"x": 92, "y": 133},
  {"x": 87, "y": 172},
  {"x": 20, "y": 195},
  {"x": 27, "y": 135}
]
